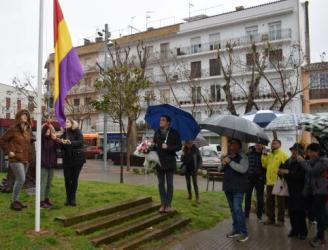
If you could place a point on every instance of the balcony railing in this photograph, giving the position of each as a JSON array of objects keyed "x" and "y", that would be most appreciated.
[{"x": 238, "y": 41}]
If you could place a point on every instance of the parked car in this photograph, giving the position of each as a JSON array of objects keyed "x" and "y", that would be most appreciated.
[
  {"x": 92, "y": 152},
  {"x": 210, "y": 157}
]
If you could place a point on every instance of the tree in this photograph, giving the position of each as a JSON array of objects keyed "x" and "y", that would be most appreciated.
[
  {"x": 120, "y": 86},
  {"x": 254, "y": 74}
]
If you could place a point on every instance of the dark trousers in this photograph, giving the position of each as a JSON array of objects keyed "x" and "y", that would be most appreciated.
[
  {"x": 192, "y": 176},
  {"x": 319, "y": 203},
  {"x": 235, "y": 201},
  {"x": 71, "y": 174},
  {"x": 309, "y": 208},
  {"x": 165, "y": 191},
  {"x": 256, "y": 182},
  {"x": 298, "y": 222},
  {"x": 271, "y": 206}
]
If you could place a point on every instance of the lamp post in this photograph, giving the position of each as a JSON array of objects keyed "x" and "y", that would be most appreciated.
[{"x": 107, "y": 35}]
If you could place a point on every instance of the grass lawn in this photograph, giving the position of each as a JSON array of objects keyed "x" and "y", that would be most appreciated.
[{"x": 16, "y": 228}]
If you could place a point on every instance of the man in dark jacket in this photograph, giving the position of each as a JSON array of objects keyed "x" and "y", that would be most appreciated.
[
  {"x": 167, "y": 142},
  {"x": 256, "y": 179},
  {"x": 317, "y": 183},
  {"x": 235, "y": 184}
]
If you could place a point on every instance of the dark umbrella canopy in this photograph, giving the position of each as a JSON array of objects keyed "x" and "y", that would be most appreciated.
[
  {"x": 235, "y": 127},
  {"x": 262, "y": 117},
  {"x": 181, "y": 120}
]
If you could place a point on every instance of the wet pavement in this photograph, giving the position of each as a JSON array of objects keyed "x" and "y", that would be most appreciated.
[
  {"x": 261, "y": 237},
  {"x": 94, "y": 170}
]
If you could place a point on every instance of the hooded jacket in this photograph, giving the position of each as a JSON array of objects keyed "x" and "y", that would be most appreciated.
[
  {"x": 18, "y": 141},
  {"x": 315, "y": 172},
  {"x": 272, "y": 161},
  {"x": 49, "y": 147}
]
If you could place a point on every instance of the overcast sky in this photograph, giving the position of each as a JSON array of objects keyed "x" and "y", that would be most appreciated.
[{"x": 19, "y": 24}]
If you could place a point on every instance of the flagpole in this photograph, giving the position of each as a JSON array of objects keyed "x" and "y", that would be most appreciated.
[{"x": 38, "y": 122}]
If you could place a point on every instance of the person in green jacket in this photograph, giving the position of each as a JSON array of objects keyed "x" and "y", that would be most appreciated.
[{"x": 271, "y": 161}]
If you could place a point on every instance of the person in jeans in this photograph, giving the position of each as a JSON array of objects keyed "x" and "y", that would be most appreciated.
[
  {"x": 294, "y": 174},
  {"x": 17, "y": 143},
  {"x": 167, "y": 142},
  {"x": 192, "y": 160},
  {"x": 315, "y": 169},
  {"x": 235, "y": 184},
  {"x": 73, "y": 159},
  {"x": 256, "y": 179},
  {"x": 49, "y": 146},
  {"x": 272, "y": 161}
]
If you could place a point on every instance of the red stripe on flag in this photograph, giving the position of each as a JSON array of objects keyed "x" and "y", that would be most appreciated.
[{"x": 58, "y": 16}]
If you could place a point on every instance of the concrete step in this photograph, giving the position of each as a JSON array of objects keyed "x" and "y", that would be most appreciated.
[
  {"x": 71, "y": 220},
  {"x": 156, "y": 234},
  {"x": 117, "y": 218},
  {"x": 111, "y": 235}
]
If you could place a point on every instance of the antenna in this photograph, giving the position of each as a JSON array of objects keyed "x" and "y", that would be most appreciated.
[
  {"x": 189, "y": 6},
  {"x": 148, "y": 12}
]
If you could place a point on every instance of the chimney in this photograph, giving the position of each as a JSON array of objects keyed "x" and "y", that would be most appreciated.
[
  {"x": 86, "y": 41},
  {"x": 241, "y": 7},
  {"x": 307, "y": 33}
]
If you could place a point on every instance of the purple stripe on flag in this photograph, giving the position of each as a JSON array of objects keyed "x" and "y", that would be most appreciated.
[{"x": 70, "y": 73}]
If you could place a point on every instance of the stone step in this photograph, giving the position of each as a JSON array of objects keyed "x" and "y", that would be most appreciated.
[
  {"x": 156, "y": 234},
  {"x": 84, "y": 216},
  {"x": 111, "y": 235},
  {"x": 114, "y": 219}
]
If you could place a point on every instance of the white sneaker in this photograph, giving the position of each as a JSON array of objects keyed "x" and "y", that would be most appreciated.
[{"x": 242, "y": 238}]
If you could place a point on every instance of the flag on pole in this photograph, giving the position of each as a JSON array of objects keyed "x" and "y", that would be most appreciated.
[{"x": 68, "y": 70}]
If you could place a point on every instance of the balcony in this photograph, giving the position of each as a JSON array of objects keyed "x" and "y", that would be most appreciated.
[
  {"x": 81, "y": 90},
  {"x": 237, "y": 42},
  {"x": 161, "y": 78}
]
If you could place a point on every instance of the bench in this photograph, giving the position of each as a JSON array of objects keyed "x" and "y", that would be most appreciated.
[{"x": 213, "y": 175}]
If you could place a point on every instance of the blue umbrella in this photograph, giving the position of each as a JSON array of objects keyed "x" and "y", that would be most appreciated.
[
  {"x": 181, "y": 120},
  {"x": 262, "y": 117}
]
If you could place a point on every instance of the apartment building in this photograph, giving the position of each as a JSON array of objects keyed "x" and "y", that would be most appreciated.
[{"x": 183, "y": 61}]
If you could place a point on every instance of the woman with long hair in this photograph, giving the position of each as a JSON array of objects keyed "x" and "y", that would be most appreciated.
[
  {"x": 48, "y": 162},
  {"x": 73, "y": 159},
  {"x": 17, "y": 143}
]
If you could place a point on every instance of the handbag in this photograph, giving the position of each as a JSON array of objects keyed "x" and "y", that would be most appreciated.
[{"x": 280, "y": 188}]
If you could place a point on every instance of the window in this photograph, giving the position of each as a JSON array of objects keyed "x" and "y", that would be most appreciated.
[
  {"x": 7, "y": 115},
  {"x": 275, "y": 56},
  {"x": 215, "y": 93},
  {"x": 251, "y": 33},
  {"x": 76, "y": 102},
  {"x": 87, "y": 101},
  {"x": 165, "y": 50},
  {"x": 195, "y": 45},
  {"x": 214, "y": 67},
  {"x": 275, "y": 30},
  {"x": 196, "y": 94},
  {"x": 214, "y": 41},
  {"x": 196, "y": 69},
  {"x": 149, "y": 97},
  {"x": 256, "y": 91},
  {"x": 250, "y": 60},
  {"x": 150, "y": 51},
  {"x": 7, "y": 102},
  {"x": 19, "y": 104},
  {"x": 319, "y": 80},
  {"x": 164, "y": 95}
]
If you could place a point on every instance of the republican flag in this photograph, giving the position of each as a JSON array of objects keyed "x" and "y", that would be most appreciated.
[{"x": 68, "y": 70}]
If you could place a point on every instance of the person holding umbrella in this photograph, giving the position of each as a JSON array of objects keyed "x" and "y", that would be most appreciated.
[
  {"x": 235, "y": 185},
  {"x": 167, "y": 142}
]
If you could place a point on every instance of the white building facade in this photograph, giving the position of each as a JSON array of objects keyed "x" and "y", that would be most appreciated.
[{"x": 11, "y": 101}]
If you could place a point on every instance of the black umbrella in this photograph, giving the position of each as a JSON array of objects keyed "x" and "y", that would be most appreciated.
[{"x": 235, "y": 127}]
